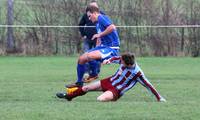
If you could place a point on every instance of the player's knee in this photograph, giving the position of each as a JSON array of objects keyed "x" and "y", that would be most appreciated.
[
  {"x": 82, "y": 59},
  {"x": 104, "y": 99},
  {"x": 101, "y": 99}
]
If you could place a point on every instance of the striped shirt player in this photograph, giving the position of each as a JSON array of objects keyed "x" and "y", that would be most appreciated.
[
  {"x": 128, "y": 74},
  {"x": 126, "y": 77}
]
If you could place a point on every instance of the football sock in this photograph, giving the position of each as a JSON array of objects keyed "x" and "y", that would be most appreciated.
[
  {"x": 80, "y": 72},
  {"x": 93, "y": 67},
  {"x": 98, "y": 67},
  {"x": 76, "y": 92}
]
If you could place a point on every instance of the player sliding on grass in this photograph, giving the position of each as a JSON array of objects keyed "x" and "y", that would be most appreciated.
[
  {"x": 128, "y": 74},
  {"x": 109, "y": 43}
]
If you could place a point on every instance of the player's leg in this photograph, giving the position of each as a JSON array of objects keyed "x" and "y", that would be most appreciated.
[
  {"x": 93, "y": 73},
  {"x": 96, "y": 86},
  {"x": 106, "y": 96},
  {"x": 110, "y": 92},
  {"x": 86, "y": 57},
  {"x": 79, "y": 91},
  {"x": 91, "y": 44},
  {"x": 106, "y": 53},
  {"x": 86, "y": 47},
  {"x": 95, "y": 54},
  {"x": 146, "y": 83},
  {"x": 71, "y": 93}
]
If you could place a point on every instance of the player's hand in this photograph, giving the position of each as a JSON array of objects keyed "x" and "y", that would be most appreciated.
[
  {"x": 98, "y": 42},
  {"x": 106, "y": 62},
  {"x": 96, "y": 36}
]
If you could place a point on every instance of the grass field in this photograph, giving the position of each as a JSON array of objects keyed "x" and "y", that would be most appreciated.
[{"x": 28, "y": 86}]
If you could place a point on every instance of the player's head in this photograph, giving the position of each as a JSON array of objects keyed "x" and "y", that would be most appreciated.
[
  {"x": 128, "y": 59},
  {"x": 92, "y": 12},
  {"x": 94, "y": 3}
]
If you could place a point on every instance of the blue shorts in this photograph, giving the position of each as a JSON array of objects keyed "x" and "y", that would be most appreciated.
[{"x": 106, "y": 52}]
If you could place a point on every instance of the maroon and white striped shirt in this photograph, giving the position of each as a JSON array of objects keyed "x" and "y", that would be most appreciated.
[{"x": 126, "y": 77}]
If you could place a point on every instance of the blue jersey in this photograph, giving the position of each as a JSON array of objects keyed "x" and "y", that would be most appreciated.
[{"x": 111, "y": 39}]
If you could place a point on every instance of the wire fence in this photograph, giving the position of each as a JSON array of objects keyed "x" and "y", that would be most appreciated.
[
  {"x": 159, "y": 40},
  {"x": 131, "y": 26}
]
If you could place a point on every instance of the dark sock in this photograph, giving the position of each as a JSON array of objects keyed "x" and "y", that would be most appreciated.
[
  {"x": 80, "y": 72},
  {"x": 93, "y": 67}
]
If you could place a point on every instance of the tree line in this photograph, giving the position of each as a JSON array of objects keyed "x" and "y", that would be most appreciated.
[{"x": 143, "y": 41}]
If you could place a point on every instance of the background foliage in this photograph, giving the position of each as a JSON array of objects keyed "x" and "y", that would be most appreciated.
[{"x": 142, "y": 41}]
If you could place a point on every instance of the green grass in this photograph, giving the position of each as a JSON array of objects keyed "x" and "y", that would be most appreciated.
[{"x": 28, "y": 86}]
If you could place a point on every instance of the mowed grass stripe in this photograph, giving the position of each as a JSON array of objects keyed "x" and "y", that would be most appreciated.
[{"x": 28, "y": 86}]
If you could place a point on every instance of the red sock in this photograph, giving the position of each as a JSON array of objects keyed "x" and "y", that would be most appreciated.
[{"x": 78, "y": 92}]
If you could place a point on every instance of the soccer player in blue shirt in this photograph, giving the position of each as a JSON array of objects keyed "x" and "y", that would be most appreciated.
[
  {"x": 87, "y": 31},
  {"x": 108, "y": 44},
  {"x": 114, "y": 87}
]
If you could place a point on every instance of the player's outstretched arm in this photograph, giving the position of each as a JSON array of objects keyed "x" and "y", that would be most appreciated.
[{"x": 116, "y": 59}]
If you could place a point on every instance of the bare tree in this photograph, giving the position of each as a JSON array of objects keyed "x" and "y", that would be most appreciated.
[
  {"x": 193, "y": 32},
  {"x": 143, "y": 41},
  {"x": 10, "y": 37}
]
